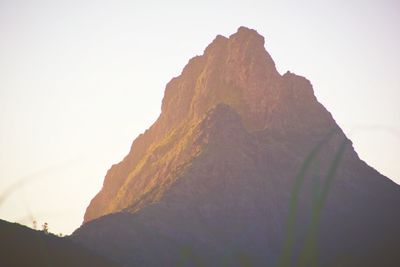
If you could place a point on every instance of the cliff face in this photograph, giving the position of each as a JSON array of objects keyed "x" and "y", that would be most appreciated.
[
  {"x": 236, "y": 71},
  {"x": 243, "y": 165}
]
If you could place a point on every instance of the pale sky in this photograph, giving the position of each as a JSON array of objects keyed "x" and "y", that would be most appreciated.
[{"x": 79, "y": 80}]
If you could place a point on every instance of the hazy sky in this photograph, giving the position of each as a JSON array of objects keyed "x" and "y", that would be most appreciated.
[{"x": 79, "y": 80}]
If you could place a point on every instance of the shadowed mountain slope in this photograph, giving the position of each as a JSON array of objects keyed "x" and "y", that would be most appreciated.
[{"x": 22, "y": 246}]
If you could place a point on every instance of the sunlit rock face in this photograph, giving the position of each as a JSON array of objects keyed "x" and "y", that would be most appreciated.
[
  {"x": 237, "y": 152},
  {"x": 235, "y": 71}
]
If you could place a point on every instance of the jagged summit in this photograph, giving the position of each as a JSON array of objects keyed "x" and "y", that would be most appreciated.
[
  {"x": 245, "y": 36},
  {"x": 249, "y": 36},
  {"x": 215, "y": 173}
]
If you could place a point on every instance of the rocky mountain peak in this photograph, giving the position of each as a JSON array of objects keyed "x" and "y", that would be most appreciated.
[
  {"x": 235, "y": 76},
  {"x": 242, "y": 161}
]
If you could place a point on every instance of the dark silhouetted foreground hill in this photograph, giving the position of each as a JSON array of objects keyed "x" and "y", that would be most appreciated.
[
  {"x": 243, "y": 167},
  {"x": 22, "y": 246}
]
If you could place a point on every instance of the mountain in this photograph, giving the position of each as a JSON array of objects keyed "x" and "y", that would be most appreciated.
[
  {"x": 22, "y": 246},
  {"x": 243, "y": 167}
]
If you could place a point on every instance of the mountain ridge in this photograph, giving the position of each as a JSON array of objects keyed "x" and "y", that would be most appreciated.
[{"x": 22, "y": 246}]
